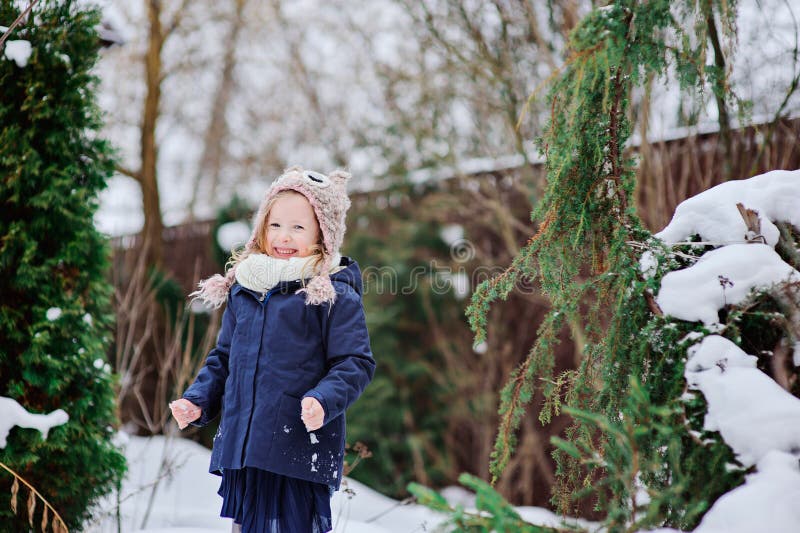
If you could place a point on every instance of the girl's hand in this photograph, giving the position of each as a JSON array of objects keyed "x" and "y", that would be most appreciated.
[
  {"x": 312, "y": 414},
  {"x": 184, "y": 412}
]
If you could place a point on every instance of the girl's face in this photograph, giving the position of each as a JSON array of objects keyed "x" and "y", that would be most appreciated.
[{"x": 292, "y": 229}]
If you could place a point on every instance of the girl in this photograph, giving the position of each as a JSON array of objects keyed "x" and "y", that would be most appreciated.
[{"x": 292, "y": 354}]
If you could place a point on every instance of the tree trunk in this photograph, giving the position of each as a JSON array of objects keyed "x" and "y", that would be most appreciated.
[
  {"x": 720, "y": 90},
  {"x": 148, "y": 176}
]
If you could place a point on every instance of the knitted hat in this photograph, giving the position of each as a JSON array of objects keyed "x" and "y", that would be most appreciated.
[{"x": 328, "y": 197}]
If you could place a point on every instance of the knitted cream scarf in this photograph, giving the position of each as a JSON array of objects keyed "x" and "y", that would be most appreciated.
[{"x": 260, "y": 272}]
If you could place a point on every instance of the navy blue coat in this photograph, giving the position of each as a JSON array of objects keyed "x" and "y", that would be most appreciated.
[{"x": 272, "y": 351}]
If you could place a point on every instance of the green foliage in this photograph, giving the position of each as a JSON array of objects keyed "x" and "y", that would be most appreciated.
[
  {"x": 52, "y": 260},
  {"x": 402, "y": 414},
  {"x": 630, "y": 424},
  {"x": 645, "y": 457},
  {"x": 492, "y": 514}
]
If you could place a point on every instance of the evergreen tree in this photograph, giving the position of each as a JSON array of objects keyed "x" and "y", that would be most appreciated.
[
  {"x": 54, "y": 310},
  {"x": 632, "y": 429}
]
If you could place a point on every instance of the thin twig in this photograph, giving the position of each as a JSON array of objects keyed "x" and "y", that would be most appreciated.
[
  {"x": 16, "y": 23},
  {"x": 166, "y": 471},
  {"x": 407, "y": 501}
]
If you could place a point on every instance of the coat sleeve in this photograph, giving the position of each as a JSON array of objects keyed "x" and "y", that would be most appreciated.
[
  {"x": 348, "y": 356},
  {"x": 207, "y": 390}
]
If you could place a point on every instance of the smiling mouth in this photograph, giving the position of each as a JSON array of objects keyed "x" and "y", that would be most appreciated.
[{"x": 285, "y": 251}]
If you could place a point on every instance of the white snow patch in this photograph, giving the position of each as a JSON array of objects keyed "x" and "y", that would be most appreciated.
[
  {"x": 13, "y": 414},
  {"x": 713, "y": 215},
  {"x": 545, "y": 518},
  {"x": 452, "y": 233},
  {"x": 753, "y": 414},
  {"x": 481, "y": 348},
  {"x": 458, "y": 281},
  {"x": 722, "y": 276},
  {"x": 691, "y": 336},
  {"x": 232, "y": 235},
  {"x": 313, "y": 438},
  {"x": 766, "y": 502},
  {"x": 186, "y": 497},
  {"x": 648, "y": 264},
  {"x": 18, "y": 51},
  {"x": 53, "y": 313},
  {"x": 87, "y": 318}
]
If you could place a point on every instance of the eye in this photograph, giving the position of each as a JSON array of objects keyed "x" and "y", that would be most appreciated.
[
  {"x": 274, "y": 225},
  {"x": 316, "y": 179},
  {"x": 298, "y": 227}
]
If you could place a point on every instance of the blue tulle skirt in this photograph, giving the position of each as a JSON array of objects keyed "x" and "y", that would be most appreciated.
[{"x": 263, "y": 502}]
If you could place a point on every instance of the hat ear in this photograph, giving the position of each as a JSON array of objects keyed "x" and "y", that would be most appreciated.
[{"x": 339, "y": 176}]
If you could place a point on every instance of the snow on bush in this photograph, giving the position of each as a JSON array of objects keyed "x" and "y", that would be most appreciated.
[
  {"x": 232, "y": 235},
  {"x": 18, "y": 51},
  {"x": 724, "y": 276},
  {"x": 756, "y": 417},
  {"x": 713, "y": 214},
  {"x": 13, "y": 414}
]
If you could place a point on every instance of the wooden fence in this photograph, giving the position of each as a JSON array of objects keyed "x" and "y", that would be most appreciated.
[{"x": 670, "y": 171}]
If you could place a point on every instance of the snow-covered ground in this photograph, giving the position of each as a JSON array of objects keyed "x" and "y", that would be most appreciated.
[{"x": 181, "y": 497}]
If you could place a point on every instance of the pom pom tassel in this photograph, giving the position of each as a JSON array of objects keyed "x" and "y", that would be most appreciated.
[
  {"x": 214, "y": 290},
  {"x": 319, "y": 290}
]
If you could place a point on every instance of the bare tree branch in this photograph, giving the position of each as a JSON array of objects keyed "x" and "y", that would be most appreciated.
[{"x": 22, "y": 16}]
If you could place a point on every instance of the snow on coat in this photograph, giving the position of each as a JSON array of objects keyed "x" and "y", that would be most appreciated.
[{"x": 272, "y": 351}]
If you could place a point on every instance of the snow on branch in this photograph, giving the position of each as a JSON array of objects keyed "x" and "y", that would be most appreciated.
[
  {"x": 721, "y": 277},
  {"x": 766, "y": 502},
  {"x": 13, "y": 414},
  {"x": 715, "y": 217},
  {"x": 760, "y": 421},
  {"x": 751, "y": 411}
]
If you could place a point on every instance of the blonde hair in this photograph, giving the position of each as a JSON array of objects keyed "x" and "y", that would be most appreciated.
[{"x": 261, "y": 245}]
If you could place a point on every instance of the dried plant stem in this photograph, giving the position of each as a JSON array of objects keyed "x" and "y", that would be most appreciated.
[{"x": 56, "y": 517}]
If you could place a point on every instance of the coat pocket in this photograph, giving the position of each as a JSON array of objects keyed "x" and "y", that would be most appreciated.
[{"x": 316, "y": 454}]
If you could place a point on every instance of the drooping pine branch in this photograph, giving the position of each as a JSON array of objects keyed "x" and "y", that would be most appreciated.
[
  {"x": 633, "y": 425},
  {"x": 581, "y": 254},
  {"x": 586, "y": 185}
]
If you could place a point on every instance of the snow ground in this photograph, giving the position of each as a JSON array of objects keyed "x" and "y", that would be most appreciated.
[{"x": 186, "y": 499}]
